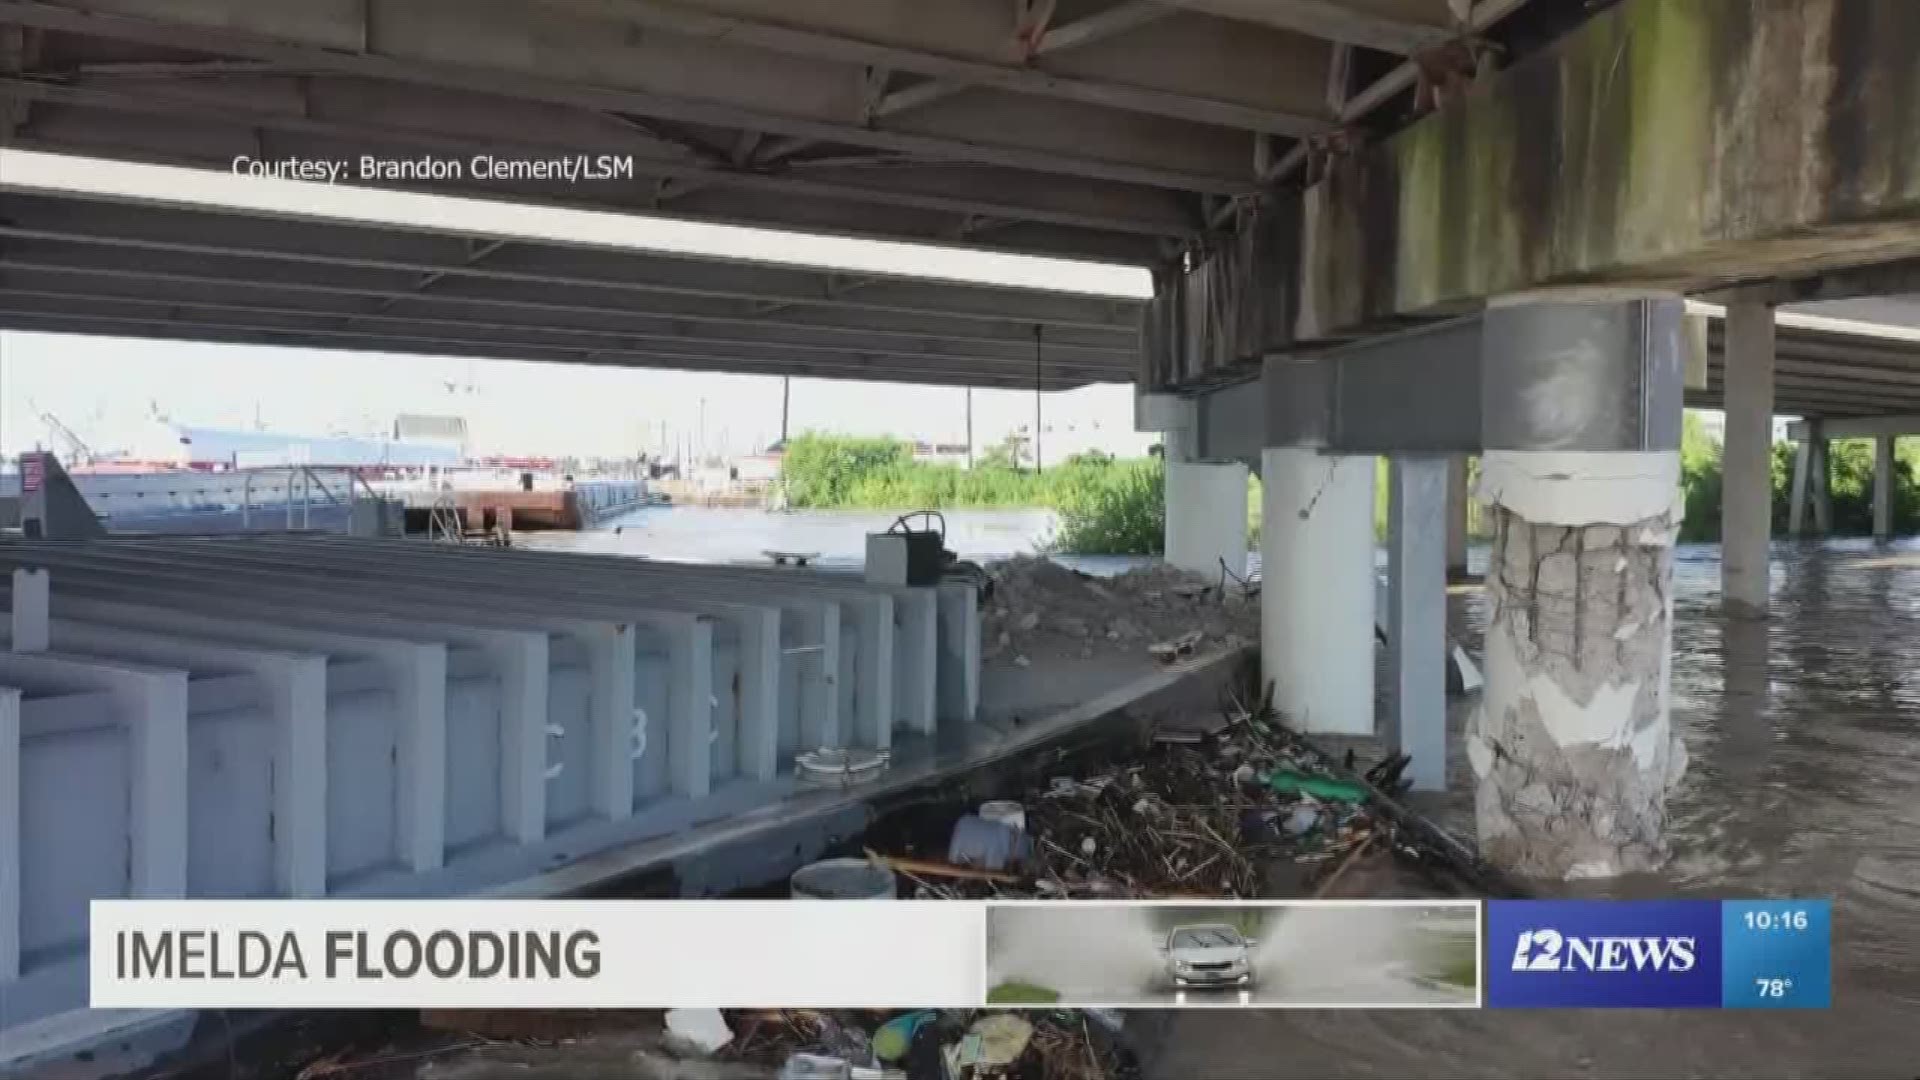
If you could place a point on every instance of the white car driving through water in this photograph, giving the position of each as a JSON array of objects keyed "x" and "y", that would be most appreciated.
[{"x": 1208, "y": 956}]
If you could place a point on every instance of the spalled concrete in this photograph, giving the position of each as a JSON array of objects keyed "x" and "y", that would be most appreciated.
[{"x": 1571, "y": 745}]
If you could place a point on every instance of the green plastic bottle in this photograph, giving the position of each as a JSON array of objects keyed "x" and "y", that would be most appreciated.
[{"x": 1289, "y": 782}]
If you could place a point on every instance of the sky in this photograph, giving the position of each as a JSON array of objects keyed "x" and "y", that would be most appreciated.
[{"x": 108, "y": 390}]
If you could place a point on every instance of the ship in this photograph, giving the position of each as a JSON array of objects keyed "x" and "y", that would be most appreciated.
[{"x": 418, "y": 477}]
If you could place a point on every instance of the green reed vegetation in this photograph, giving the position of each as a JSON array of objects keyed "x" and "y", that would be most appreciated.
[{"x": 1117, "y": 506}]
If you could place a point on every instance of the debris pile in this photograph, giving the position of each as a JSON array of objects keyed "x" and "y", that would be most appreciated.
[
  {"x": 1203, "y": 813},
  {"x": 934, "y": 1044},
  {"x": 740, "y": 1044},
  {"x": 1039, "y": 609}
]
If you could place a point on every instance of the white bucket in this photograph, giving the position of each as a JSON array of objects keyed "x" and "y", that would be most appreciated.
[
  {"x": 843, "y": 879},
  {"x": 1006, "y": 812}
]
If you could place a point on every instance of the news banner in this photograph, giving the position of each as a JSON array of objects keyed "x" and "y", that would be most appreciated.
[{"x": 348, "y": 954}]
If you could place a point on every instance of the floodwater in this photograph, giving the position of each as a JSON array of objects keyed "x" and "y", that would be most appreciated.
[
  {"x": 838, "y": 537},
  {"x": 1804, "y": 739}
]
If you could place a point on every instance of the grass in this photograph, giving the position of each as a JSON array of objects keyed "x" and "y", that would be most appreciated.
[
  {"x": 1107, "y": 505},
  {"x": 1449, "y": 957},
  {"x": 1117, "y": 506},
  {"x": 1022, "y": 993},
  {"x": 1457, "y": 971},
  {"x": 1851, "y": 472}
]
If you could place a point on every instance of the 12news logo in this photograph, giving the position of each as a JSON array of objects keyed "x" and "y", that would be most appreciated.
[
  {"x": 1619, "y": 954},
  {"x": 1550, "y": 950},
  {"x": 1757, "y": 954}
]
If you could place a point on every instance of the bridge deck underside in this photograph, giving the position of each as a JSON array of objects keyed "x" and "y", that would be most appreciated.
[
  {"x": 79, "y": 266},
  {"x": 1827, "y": 373},
  {"x": 1113, "y": 129},
  {"x": 1121, "y": 130},
  {"x": 1117, "y": 130}
]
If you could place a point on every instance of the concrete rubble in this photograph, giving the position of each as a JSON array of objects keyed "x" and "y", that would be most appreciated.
[{"x": 1041, "y": 610}]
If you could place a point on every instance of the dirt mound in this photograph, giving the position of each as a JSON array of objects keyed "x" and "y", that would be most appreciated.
[{"x": 1040, "y": 609}]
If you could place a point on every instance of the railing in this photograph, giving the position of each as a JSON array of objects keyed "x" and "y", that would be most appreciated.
[
  {"x": 304, "y": 479},
  {"x": 443, "y": 520}
]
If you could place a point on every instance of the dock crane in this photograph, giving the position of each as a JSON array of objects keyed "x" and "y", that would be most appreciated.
[{"x": 76, "y": 450}]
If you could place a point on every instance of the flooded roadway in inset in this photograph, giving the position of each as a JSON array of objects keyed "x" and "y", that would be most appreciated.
[
  {"x": 1091, "y": 953},
  {"x": 1804, "y": 739}
]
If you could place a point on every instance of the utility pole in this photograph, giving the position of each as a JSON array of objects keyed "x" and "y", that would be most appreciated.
[
  {"x": 1036, "y": 397},
  {"x": 786, "y": 399},
  {"x": 969, "y": 427}
]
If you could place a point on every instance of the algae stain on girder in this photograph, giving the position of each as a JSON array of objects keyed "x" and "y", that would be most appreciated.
[
  {"x": 1872, "y": 133},
  {"x": 1668, "y": 143}
]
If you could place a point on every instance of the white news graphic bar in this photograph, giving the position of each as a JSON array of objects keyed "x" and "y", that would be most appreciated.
[{"x": 345, "y": 954}]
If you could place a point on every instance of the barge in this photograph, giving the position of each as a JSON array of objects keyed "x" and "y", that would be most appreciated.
[
  {"x": 205, "y": 480},
  {"x": 484, "y": 501}
]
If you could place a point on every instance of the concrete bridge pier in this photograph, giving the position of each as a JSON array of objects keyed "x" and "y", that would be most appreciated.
[
  {"x": 1883, "y": 467},
  {"x": 1571, "y": 747},
  {"x": 1812, "y": 488},
  {"x": 1746, "y": 510},
  {"x": 1206, "y": 501},
  {"x": 1418, "y": 497},
  {"x": 1812, "y": 491},
  {"x": 1456, "y": 524},
  {"x": 1318, "y": 588}
]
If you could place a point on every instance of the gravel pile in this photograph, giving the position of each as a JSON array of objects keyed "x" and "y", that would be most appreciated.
[{"x": 1042, "y": 610}]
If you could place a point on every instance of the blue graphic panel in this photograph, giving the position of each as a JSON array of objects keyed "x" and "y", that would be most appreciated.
[
  {"x": 1560, "y": 954},
  {"x": 1777, "y": 954}
]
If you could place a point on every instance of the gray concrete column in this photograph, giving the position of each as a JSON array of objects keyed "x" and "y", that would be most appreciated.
[
  {"x": 1572, "y": 748},
  {"x": 1206, "y": 501},
  {"x": 1417, "y": 498},
  {"x": 1797, "y": 491},
  {"x": 1822, "y": 482},
  {"x": 1746, "y": 508},
  {"x": 1456, "y": 511},
  {"x": 1883, "y": 447}
]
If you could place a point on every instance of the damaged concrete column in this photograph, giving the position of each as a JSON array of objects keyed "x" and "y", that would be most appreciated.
[
  {"x": 1572, "y": 747},
  {"x": 1206, "y": 501},
  {"x": 1317, "y": 588}
]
